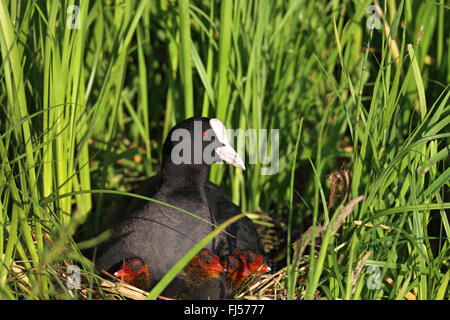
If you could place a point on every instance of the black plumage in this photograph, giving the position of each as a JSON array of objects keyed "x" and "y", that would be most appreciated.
[{"x": 162, "y": 235}]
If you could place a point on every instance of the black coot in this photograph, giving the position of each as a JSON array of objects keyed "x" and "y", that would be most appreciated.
[
  {"x": 162, "y": 235},
  {"x": 221, "y": 209}
]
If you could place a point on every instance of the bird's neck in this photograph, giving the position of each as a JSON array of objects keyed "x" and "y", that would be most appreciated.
[{"x": 184, "y": 179}]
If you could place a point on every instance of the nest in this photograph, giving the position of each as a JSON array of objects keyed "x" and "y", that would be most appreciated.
[
  {"x": 262, "y": 287},
  {"x": 273, "y": 286}
]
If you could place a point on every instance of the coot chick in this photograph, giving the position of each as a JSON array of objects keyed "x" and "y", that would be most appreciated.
[
  {"x": 237, "y": 273},
  {"x": 204, "y": 278},
  {"x": 135, "y": 272},
  {"x": 254, "y": 262}
]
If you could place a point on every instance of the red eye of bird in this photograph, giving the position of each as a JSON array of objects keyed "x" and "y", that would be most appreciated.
[{"x": 205, "y": 134}]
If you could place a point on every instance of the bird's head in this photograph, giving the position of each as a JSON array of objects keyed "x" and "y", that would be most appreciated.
[
  {"x": 199, "y": 141},
  {"x": 210, "y": 262},
  {"x": 253, "y": 261},
  {"x": 130, "y": 269}
]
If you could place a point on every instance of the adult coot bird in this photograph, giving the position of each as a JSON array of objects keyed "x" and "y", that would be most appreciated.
[
  {"x": 221, "y": 209},
  {"x": 162, "y": 235}
]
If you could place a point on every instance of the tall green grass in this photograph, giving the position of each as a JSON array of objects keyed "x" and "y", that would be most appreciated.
[{"x": 88, "y": 109}]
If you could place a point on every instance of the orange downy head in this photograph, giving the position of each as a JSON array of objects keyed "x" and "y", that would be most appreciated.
[
  {"x": 237, "y": 270},
  {"x": 209, "y": 262},
  {"x": 131, "y": 269},
  {"x": 253, "y": 261}
]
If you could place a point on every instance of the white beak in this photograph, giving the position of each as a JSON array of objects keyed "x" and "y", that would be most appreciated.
[{"x": 226, "y": 153}]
